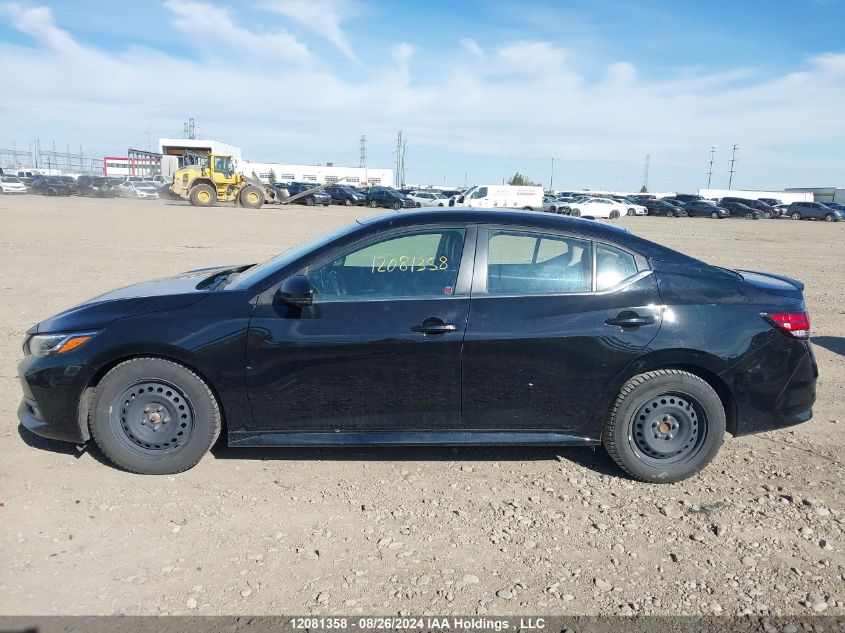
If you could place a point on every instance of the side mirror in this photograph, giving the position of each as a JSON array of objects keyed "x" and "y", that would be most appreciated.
[{"x": 296, "y": 291}]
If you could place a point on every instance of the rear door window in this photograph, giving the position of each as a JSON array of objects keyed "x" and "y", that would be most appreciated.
[
  {"x": 613, "y": 266},
  {"x": 537, "y": 263}
]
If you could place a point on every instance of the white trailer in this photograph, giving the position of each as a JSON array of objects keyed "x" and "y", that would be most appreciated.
[{"x": 504, "y": 197}]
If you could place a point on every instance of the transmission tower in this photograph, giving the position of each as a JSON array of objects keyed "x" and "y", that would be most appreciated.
[
  {"x": 363, "y": 160},
  {"x": 645, "y": 172},
  {"x": 189, "y": 129},
  {"x": 733, "y": 160},
  {"x": 710, "y": 173}
]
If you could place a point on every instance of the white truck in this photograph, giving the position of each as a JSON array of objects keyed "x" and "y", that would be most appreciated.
[{"x": 503, "y": 196}]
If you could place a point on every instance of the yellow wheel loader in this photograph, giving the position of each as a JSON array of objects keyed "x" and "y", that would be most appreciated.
[{"x": 216, "y": 181}]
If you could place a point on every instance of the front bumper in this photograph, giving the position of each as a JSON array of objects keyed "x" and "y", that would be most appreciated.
[{"x": 52, "y": 397}]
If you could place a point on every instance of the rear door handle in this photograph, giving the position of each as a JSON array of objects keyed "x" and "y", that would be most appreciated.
[
  {"x": 630, "y": 320},
  {"x": 434, "y": 326}
]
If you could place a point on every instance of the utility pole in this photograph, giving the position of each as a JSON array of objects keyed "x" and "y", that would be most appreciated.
[
  {"x": 710, "y": 173},
  {"x": 552, "y": 177},
  {"x": 645, "y": 172},
  {"x": 363, "y": 159},
  {"x": 733, "y": 160}
]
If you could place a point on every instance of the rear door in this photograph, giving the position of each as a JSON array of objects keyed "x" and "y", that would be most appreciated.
[{"x": 554, "y": 321}]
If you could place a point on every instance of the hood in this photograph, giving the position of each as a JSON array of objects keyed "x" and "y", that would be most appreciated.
[{"x": 170, "y": 293}]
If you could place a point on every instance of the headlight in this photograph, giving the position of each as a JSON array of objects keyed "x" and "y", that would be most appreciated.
[{"x": 41, "y": 345}]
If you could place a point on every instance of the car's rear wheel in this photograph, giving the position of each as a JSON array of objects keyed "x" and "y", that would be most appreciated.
[
  {"x": 829, "y": 217},
  {"x": 203, "y": 196},
  {"x": 347, "y": 202},
  {"x": 767, "y": 215},
  {"x": 575, "y": 213},
  {"x": 749, "y": 216},
  {"x": 632, "y": 212},
  {"x": 309, "y": 200},
  {"x": 670, "y": 214},
  {"x": 665, "y": 426},
  {"x": 795, "y": 215},
  {"x": 153, "y": 416},
  {"x": 373, "y": 204},
  {"x": 396, "y": 205}
]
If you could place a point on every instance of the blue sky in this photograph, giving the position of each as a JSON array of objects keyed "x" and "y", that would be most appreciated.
[{"x": 481, "y": 89}]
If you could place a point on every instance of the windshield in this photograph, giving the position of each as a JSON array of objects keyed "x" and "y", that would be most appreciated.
[{"x": 255, "y": 274}]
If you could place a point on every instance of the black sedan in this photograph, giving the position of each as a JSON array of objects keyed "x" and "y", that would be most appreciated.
[
  {"x": 449, "y": 326},
  {"x": 315, "y": 193},
  {"x": 389, "y": 199},
  {"x": 95, "y": 186},
  {"x": 740, "y": 210},
  {"x": 50, "y": 186},
  {"x": 345, "y": 195},
  {"x": 706, "y": 209},
  {"x": 661, "y": 207}
]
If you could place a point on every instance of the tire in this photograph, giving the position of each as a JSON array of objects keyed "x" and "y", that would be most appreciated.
[
  {"x": 251, "y": 197},
  {"x": 129, "y": 437},
  {"x": 203, "y": 195},
  {"x": 347, "y": 202},
  {"x": 553, "y": 209},
  {"x": 309, "y": 201},
  {"x": 373, "y": 204},
  {"x": 687, "y": 411},
  {"x": 670, "y": 214},
  {"x": 575, "y": 213},
  {"x": 632, "y": 212},
  {"x": 749, "y": 216},
  {"x": 440, "y": 205},
  {"x": 795, "y": 215},
  {"x": 396, "y": 206},
  {"x": 714, "y": 215},
  {"x": 768, "y": 215},
  {"x": 614, "y": 215},
  {"x": 829, "y": 217}
]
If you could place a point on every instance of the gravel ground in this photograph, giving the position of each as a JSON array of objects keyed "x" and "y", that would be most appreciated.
[{"x": 553, "y": 530}]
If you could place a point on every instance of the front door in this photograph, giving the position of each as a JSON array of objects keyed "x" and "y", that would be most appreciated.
[
  {"x": 547, "y": 334},
  {"x": 379, "y": 349}
]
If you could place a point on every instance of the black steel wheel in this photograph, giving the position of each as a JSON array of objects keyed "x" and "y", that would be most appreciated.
[
  {"x": 154, "y": 416},
  {"x": 665, "y": 426}
]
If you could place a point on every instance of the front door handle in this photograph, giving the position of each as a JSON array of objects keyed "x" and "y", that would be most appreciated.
[
  {"x": 630, "y": 320},
  {"x": 434, "y": 325}
]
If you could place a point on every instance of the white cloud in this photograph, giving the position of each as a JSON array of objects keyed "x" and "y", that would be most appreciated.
[
  {"x": 210, "y": 25},
  {"x": 518, "y": 100},
  {"x": 323, "y": 17},
  {"x": 472, "y": 47}
]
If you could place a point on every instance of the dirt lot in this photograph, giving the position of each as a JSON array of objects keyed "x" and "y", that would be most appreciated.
[{"x": 390, "y": 530}]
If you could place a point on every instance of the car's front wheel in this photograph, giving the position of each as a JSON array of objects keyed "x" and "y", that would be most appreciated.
[
  {"x": 154, "y": 416},
  {"x": 670, "y": 214},
  {"x": 347, "y": 202},
  {"x": 795, "y": 215},
  {"x": 632, "y": 212},
  {"x": 829, "y": 217},
  {"x": 665, "y": 426}
]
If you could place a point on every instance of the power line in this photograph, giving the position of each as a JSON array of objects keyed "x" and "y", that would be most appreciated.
[{"x": 733, "y": 160}]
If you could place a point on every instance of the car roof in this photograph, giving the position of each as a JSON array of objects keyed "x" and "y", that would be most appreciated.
[{"x": 534, "y": 219}]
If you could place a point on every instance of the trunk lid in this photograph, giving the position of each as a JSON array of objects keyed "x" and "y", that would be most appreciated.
[{"x": 773, "y": 284}]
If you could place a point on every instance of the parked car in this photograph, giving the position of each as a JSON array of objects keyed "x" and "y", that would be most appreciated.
[
  {"x": 70, "y": 181},
  {"x": 552, "y": 204},
  {"x": 783, "y": 210},
  {"x": 664, "y": 208},
  {"x": 50, "y": 186},
  {"x": 772, "y": 202},
  {"x": 597, "y": 208},
  {"x": 389, "y": 199},
  {"x": 740, "y": 210},
  {"x": 616, "y": 340},
  {"x": 766, "y": 209},
  {"x": 317, "y": 196},
  {"x": 706, "y": 209},
  {"x": 11, "y": 184},
  {"x": 429, "y": 198},
  {"x": 814, "y": 211},
  {"x": 96, "y": 186},
  {"x": 345, "y": 195},
  {"x": 139, "y": 190},
  {"x": 27, "y": 182},
  {"x": 835, "y": 205},
  {"x": 686, "y": 197},
  {"x": 504, "y": 196}
]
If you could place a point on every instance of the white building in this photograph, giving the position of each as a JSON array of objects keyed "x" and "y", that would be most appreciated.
[
  {"x": 203, "y": 147},
  {"x": 752, "y": 194},
  {"x": 327, "y": 174}
]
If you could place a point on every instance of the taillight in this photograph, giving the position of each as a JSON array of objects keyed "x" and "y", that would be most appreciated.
[{"x": 795, "y": 324}]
